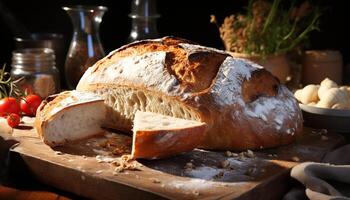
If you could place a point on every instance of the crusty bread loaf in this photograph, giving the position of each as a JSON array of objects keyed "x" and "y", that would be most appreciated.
[
  {"x": 243, "y": 105},
  {"x": 159, "y": 136},
  {"x": 70, "y": 116}
]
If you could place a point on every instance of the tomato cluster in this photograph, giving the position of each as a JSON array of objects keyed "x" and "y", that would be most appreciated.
[{"x": 11, "y": 108}]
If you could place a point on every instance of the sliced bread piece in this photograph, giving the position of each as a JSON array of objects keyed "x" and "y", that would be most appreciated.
[
  {"x": 70, "y": 116},
  {"x": 158, "y": 136}
]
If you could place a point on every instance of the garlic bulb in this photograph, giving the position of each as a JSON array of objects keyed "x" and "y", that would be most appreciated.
[
  {"x": 326, "y": 95},
  {"x": 308, "y": 94},
  {"x": 346, "y": 88},
  {"x": 334, "y": 98},
  {"x": 325, "y": 85}
]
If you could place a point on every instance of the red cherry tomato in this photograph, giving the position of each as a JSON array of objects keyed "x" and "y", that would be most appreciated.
[
  {"x": 13, "y": 120},
  {"x": 9, "y": 105},
  {"x": 30, "y": 104}
]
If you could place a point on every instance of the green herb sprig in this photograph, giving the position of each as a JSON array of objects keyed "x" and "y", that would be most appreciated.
[{"x": 8, "y": 86}]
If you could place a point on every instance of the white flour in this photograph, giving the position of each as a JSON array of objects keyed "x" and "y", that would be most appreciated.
[
  {"x": 227, "y": 88},
  {"x": 204, "y": 172}
]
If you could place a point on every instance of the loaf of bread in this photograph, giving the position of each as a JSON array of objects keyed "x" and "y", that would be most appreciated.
[
  {"x": 243, "y": 105},
  {"x": 158, "y": 136},
  {"x": 70, "y": 116}
]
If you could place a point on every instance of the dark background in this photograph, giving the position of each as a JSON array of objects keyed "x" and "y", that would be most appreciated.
[{"x": 184, "y": 18}]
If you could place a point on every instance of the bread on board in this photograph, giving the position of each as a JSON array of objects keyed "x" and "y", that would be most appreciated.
[{"x": 243, "y": 105}]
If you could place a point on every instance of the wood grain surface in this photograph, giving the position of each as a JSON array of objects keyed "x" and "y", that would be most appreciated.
[{"x": 88, "y": 168}]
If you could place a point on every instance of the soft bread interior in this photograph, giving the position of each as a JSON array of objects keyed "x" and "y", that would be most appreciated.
[
  {"x": 148, "y": 121},
  {"x": 75, "y": 123},
  {"x": 158, "y": 136},
  {"x": 124, "y": 102}
]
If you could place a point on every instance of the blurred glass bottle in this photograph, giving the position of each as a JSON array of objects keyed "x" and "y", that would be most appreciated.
[
  {"x": 144, "y": 20},
  {"x": 85, "y": 48}
]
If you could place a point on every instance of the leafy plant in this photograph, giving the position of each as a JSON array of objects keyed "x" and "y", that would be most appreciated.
[
  {"x": 269, "y": 27},
  {"x": 8, "y": 86}
]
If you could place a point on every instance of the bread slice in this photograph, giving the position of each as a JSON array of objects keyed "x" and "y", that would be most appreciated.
[
  {"x": 158, "y": 136},
  {"x": 70, "y": 116}
]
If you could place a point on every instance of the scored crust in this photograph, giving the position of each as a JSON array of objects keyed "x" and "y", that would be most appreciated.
[{"x": 243, "y": 105}]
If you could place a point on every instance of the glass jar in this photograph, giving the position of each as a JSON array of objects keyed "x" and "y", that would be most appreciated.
[
  {"x": 54, "y": 41},
  {"x": 85, "y": 48},
  {"x": 37, "y": 71}
]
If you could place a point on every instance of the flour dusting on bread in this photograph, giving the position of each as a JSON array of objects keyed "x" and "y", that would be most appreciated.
[{"x": 243, "y": 105}]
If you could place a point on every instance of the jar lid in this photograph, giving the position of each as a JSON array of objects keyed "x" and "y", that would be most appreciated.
[
  {"x": 33, "y": 57},
  {"x": 85, "y": 8},
  {"x": 323, "y": 55}
]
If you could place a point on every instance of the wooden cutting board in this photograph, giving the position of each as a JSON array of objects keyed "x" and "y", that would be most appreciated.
[{"x": 88, "y": 168}]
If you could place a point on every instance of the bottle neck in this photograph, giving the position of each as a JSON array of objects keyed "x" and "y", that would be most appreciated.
[
  {"x": 143, "y": 28},
  {"x": 33, "y": 60},
  {"x": 86, "y": 19}
]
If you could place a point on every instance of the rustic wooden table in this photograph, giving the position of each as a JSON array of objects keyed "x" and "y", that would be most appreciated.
[
  {"x": 23, "y": 186},
  {"x": 14, "y": 193},
  {"x": 73, "y": 169}
]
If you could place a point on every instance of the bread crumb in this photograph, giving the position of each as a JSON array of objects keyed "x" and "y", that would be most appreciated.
[
  {"x": 250, "y": 154},
  {"x": 126, "y": 163},
  {"x": 195, "y": 193},
  {"x": 225, "y": 164},
  {"x": 58, "y": 153},
  {"x": 251, "y": 171},
  {"x": 99, "y": 171},
  {"x": 295, "y": 158},
  {"x": 118, "y": 169},
  {"x": 116, "y": 145},
  {"x": 241, "y": 155},
  {"x": 189, "y": 166},
  {"x": 272, "y": 155},
  {"x": 219, "y": 175},
  {"x": 323, "y": 137},
  {"x": 155, "y": 180},
  {"x": 231, "y": 154},
  {"x": 82, "y": 177}
]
